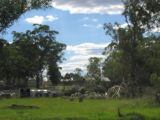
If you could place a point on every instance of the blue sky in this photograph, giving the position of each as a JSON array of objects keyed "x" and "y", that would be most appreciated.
[{"x": 80, "y": 27}]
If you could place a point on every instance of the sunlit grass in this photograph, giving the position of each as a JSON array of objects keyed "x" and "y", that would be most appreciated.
[{"x": 64, "y": 109}]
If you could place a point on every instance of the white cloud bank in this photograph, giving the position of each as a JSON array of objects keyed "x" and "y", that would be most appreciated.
[
  {"x": 41, "y": 19},
  {"x": 90, "y": 6},
  {"x": 81, "y": 54}
]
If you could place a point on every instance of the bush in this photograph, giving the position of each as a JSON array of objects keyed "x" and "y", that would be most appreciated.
[
  {"x": 155, "y": 81},
  {"x": 157, "y": 97},
  {"x": 71, "y": 91},
  {"x": 82, "y": 90},
  {"x": 99, "y": 89}
]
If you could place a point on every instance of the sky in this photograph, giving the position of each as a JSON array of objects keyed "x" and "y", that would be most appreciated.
[{"x": 80, "y": 26}]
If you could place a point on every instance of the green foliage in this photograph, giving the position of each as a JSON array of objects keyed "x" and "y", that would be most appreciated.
[
  {"x": 155, "y": 80},
  {"x": 75, "y": 78},
  {"x": 142, "y": 13},
  {"x": 113, "y": 68},
  {"x": 30, "y": 54},
  {"x": 93, "y": 69},
  {"x": 54, "y": 73},
  {"x": 11, "y": 10},
  {"x": 133, "y": 53},
  {"x": 72, "y": 90}
]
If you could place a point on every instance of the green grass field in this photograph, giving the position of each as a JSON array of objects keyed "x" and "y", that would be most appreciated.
[{"x": 64, "y": 109}]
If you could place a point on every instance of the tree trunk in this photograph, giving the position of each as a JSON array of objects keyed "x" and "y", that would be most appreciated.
[{"x": 37, "y": 81}]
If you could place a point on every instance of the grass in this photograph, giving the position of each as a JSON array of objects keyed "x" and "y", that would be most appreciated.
[{"x": 63, "y": 109}]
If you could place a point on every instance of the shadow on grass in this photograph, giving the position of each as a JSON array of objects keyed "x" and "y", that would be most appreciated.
[
  {"x": 15, "y": 106},
  {"x": 132, "y": 116},
  {"x": 68, "y": 118},
  {"x": 71, "y": 118}
]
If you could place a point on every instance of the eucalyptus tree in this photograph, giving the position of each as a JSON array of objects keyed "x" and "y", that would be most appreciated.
[
  {"x": 11, "y": 10},
  {"x": 75, "y": 77},
  {"x": 94, "y": 68},
  {"x": 141, "y": 16},
  {"x": 78, "y": 76},
  {"x": 41, "y": 50}
]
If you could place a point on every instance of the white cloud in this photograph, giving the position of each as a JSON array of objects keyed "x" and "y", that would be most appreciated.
[
  {"x": 85, "y": 48},
  {"x": 90, "y": 19},
  {"x": 90, "y": 6},
  {"x": 51, "y": 18},
  {"x": 124, "y": 25},
  {"x": 81, "y": 54},
  {"x": 41, "y": 19},
  {"x": 35, "y": 20},
  {"x": 93, "y": 26},
  {"x": 156, "y": 29},
  {"x": 99, "y": 26},
  {"x": 86, "y": 25},
  {"x": 95, "y": 20}
]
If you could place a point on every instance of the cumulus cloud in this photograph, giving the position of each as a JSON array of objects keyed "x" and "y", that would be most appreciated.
[
  {"x": 51, "y": 18},
  {"x": 90, "y": 6},
  {"x": 41, "y": 19},
  {"x": 85, "y": 48},
  {"x": 81, "y": 54},
  {"x": 35, "y": 20}
]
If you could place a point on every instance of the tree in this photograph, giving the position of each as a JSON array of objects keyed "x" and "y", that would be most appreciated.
[
  {"x": 54, "y": 73},
  {"x": 11, "y": 10},
  {"x": 3, "y": 43},
  {"x": 113, "y": 68},
  {"x": 13, "y": 66},
  {"x": 127, "y": 41},
  {"x": 78, "y": 71},
  {"x": 129, "y": 46},
  {"x": 76, "y": 77},
  {"x": 155, "y": 81},
  {"x": 141, "y": 16},
  {"x": 69, "y": 77},
  {"x": 94, "y": 68},
  {"x": 40, "y": 48}
]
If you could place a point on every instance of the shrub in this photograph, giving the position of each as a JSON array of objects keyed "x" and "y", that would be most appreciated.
[{"x": 71, "y": 91}]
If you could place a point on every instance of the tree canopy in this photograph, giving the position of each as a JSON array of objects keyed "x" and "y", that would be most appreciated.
[
  {"x": 11, "y": 10},
  {"x": 133, "y": 49},
  {"x": 30, "y": 54}
]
